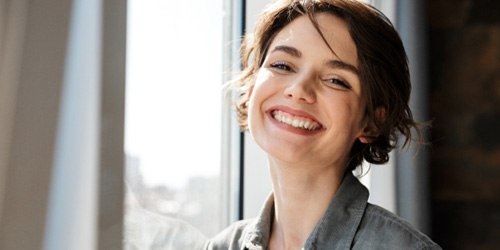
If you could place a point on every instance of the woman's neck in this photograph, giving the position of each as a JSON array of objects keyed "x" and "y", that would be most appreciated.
[{"x": 301, "y": 197}]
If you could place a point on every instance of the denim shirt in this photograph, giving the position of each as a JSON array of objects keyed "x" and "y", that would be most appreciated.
[{"x": 350, "y": 222}]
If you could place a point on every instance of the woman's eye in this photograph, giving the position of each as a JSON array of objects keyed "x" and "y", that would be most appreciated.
[
  {"x": 338, "y": 83},
  {"x": 281, "y": 66}
]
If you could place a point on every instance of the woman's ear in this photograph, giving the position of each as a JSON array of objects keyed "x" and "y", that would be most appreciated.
[{"x": 371, "y": 131}]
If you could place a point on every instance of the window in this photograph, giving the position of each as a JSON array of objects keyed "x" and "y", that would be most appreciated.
[{"x": 177, "y": 170}]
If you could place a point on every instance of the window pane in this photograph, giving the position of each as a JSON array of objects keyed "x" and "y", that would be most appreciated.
[{"x": 173, "y": 122}]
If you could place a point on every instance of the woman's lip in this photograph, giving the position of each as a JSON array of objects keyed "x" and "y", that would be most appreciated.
[{"x": 294, "y": 112}]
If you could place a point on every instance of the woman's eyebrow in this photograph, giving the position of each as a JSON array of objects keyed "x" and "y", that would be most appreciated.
[
  {"x": 337, "y": 64},
  {"x": 287, "y": 49}
]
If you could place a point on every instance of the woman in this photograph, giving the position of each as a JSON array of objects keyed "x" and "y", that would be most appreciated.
[{"x": 325, "y": 86}]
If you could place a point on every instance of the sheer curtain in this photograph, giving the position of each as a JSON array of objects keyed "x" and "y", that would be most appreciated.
[{"x": 61, "y": 123}]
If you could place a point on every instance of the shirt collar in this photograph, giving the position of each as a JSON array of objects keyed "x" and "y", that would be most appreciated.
[
  {"x": 259, "y": 231},
  {"x": 335, "y": 230}
]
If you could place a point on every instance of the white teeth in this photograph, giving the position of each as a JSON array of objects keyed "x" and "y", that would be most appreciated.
[
  {"x": 297, "y": 122},
  {"x": 307, "y": 125}
]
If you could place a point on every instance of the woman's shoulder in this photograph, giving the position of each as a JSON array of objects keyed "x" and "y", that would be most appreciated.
[
  {"x": 380, "y": 229},
  {"x": 230, "y": 238}
]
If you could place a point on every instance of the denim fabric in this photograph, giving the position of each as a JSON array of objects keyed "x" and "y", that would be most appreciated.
[{"x": 349, "y": 222}]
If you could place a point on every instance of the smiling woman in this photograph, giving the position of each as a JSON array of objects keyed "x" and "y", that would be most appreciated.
[
  {"x": 325, "y": 85},
  {"x": 305, "y": 90}
]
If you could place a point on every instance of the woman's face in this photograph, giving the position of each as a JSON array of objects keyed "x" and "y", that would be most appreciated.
[{"x": 306, "y": 105}]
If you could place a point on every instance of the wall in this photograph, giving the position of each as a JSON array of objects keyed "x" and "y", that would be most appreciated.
[{"x": 464, "y": 57}]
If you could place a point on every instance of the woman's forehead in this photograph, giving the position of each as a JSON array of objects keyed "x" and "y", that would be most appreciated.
[{"x": 302, "y": 34}]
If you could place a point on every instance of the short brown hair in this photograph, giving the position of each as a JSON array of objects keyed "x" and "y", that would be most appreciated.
[{"x": 383, "y": 67}]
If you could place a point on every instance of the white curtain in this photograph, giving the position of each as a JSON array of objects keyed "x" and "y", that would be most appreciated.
[{"x": 61, "y": 123}]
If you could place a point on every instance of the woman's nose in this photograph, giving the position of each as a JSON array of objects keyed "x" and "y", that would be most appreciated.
[{"x": 301, "y": 90}]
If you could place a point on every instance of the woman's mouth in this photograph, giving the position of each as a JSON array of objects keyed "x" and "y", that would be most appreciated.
[{"x": 295, "y": 121}]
